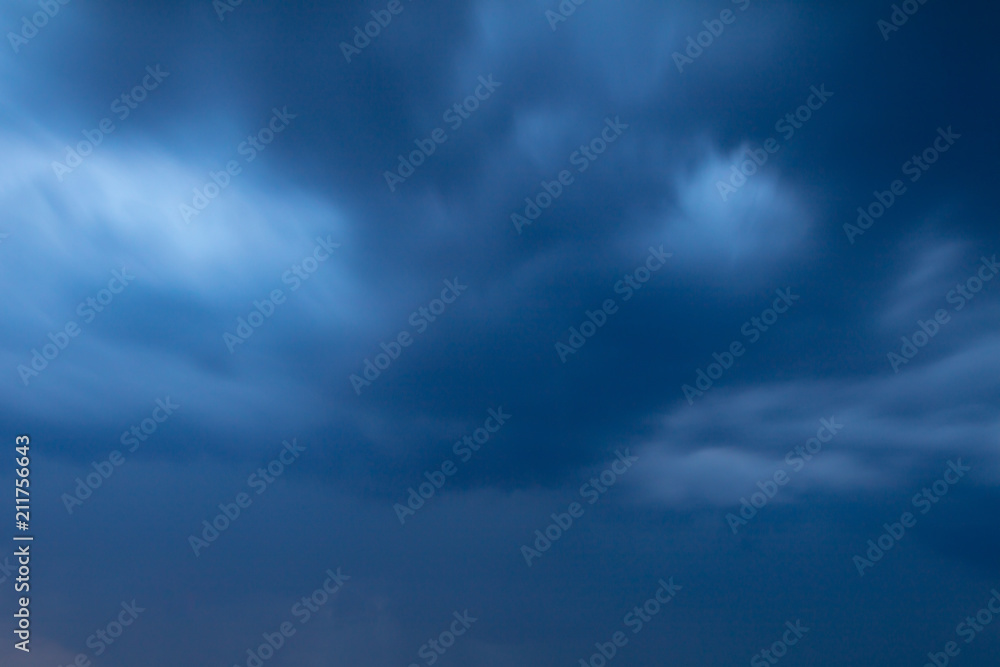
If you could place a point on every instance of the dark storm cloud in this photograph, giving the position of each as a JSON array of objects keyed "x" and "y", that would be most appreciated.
[{"x": 658, "y": 184}]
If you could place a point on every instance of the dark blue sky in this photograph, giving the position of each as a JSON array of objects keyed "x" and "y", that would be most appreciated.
[{"x": 604, "y": 278}]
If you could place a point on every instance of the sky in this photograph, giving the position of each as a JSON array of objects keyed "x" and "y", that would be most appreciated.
[{"x": 492, "y": 333}]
